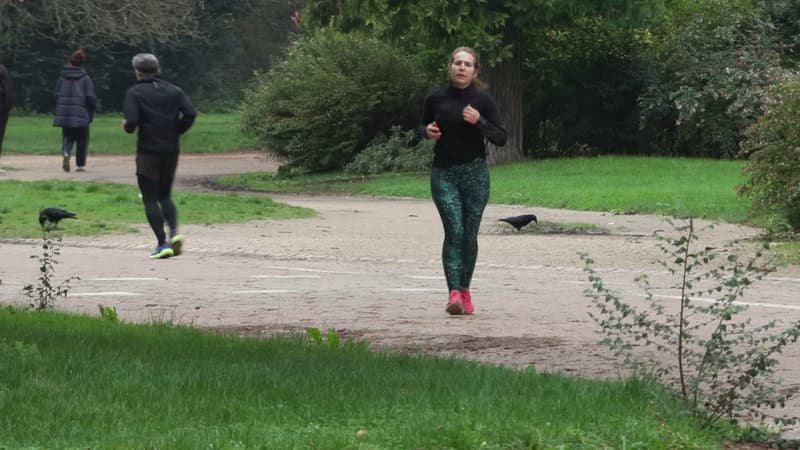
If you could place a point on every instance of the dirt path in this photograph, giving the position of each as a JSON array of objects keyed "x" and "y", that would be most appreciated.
[{"x": 370, "y": 268}]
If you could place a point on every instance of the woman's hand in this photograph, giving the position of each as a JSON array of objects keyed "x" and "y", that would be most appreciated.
[
  {"x": 471, "y": 115},
  {"x": 433, "y": 131}
]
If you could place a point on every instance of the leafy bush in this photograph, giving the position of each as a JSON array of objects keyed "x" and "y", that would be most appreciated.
[
  {"x": 772, "y": 146},
  {"x": 400, "y": 151},
  {"x": 718, "y": 363},
  {"x": 331, "y": 96},
  {"x": 711, "y": 72}
]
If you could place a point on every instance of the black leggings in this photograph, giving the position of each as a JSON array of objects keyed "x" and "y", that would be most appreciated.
[
  {"x": 460, "y": 193},
  {"x": 79, "y": 138},
  {"x": 158, "y": 205}
]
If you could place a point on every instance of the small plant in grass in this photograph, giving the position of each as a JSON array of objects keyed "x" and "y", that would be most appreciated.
[
  {"x": 108, "y": 313},
  {"x": 719, "y": 363},
  {"x": 334, "y": 340},
  {"x": 44, "y": 294}
]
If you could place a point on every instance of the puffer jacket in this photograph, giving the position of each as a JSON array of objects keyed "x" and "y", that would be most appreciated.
[
  {"x": 75, "y": 99},
  {"x": 6, "y": 91}
]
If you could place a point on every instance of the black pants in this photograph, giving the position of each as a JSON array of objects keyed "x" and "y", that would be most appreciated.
[
  {"x": 3, "y": 122},
  {"x": 156, "y": 189},
  {"x": 79, "y": 137}
]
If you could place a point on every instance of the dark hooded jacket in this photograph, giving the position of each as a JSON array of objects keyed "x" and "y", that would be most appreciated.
[
  {"x": 6, "y": 91},
  {"x": 75, "y": 98}
]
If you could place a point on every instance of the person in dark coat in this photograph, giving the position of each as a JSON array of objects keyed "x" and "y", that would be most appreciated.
[
  {"x": 161, "y": 112},
  {"x": 76, "y": 102},
  {"x": 6, "y": 101}
]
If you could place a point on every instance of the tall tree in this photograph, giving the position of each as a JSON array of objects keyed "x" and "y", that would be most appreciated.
[
  {"x": 496, "y": 28},
  {"x": 433, "y": 28}
]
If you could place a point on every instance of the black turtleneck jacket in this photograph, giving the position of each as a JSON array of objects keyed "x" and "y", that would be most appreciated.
[
  {"x": 161, "y": 111},
  {"x": 462, "y": 142}
]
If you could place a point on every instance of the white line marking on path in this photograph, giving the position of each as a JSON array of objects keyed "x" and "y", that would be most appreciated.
[
  {"x": 709, "y": 300},
  {"x": 792, "y": 280},
  {"x": 301, "y": 269},
  {"x": 422, "y": 277},
  {"x": 125, "y": 279},
  {"x": 104, "y": 294},
  {"x": 415, "y": 290},
  {"x": 284, "y": 276},
  {"x": 266, "y": 291}
]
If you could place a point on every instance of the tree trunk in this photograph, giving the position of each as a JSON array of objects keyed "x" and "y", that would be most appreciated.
[{"x": 505, "y": 84}]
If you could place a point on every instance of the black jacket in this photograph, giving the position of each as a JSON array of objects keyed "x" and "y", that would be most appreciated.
[
  {"x": 462, "y": 142},
  {"x": 75, "y": 98},
  {"x": 161, "y": 111},
  {"x": 6, "y": 91}
]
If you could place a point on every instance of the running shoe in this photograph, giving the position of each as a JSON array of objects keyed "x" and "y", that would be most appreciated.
[
  {"x": 466, "y": 302},
  {"x": 177, "y": 244},
  {"x": 65, "y": 163},
  {"x": 454, "y": 305},
  {"x": 162, "y": 251},
  {"x": 80, "y": 169}
]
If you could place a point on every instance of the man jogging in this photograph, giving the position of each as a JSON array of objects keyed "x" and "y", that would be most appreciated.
[{"x": 162, "y": 112}]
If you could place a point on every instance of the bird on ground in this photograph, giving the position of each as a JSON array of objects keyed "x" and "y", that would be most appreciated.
[
  {"x": 520, "y": 221},
  {"x": 49, "y": 217}
]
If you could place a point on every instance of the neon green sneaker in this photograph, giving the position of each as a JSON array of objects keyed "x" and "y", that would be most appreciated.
[
  {"x": 177, "y": 244},
  {"x": 162, "y": 251}
]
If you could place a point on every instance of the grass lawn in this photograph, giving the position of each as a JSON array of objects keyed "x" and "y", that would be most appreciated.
[
  {"x": 107, "y": 208},
  {"x": 669, "y": 186},
  {"x": 79, "y": 382},
  {"x": 35, "y": 135}
]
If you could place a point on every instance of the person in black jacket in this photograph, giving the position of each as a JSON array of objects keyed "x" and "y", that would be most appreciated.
[
  {"x": 162, "y": 112},
  {"x": 459, "y": 117},
  {"x": 6, "y": 101},
  {"x": 76, "y": 102}
]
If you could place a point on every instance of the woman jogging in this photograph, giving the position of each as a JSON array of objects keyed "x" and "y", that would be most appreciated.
[{"x": 459, "y": 117}]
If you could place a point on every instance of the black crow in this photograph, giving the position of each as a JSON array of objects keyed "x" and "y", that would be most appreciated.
[
  {"x": 520, "y": 221},
  {"x": 49, "y": 217}
]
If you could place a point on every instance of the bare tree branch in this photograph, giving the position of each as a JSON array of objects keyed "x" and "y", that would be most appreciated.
[{"x": 102, "y": 22}]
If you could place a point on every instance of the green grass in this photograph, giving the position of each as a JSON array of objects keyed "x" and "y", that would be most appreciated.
[
  {"x": 211, "y": 133},
  {"x": 107, "y": 208},
  {"x": 78, "y": 382},
  {"x": 677, "y": 187}
]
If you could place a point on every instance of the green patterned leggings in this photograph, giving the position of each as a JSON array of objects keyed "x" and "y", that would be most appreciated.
[{"x": 460, "y": 194}]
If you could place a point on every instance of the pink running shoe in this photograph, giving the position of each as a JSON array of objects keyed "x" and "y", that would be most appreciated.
[
  {"x": 466, "y": 302},
  {"x": 454, "y": 305}
]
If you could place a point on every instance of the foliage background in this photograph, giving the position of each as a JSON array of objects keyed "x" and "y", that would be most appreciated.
[{"x": 318, "y": 80}]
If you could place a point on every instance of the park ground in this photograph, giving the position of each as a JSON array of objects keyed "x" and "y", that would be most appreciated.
[{"x": 370, "y": 268}]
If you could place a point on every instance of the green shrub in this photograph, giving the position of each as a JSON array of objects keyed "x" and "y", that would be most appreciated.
[
  {"x": 721, "y": 364},
  {"x": 332, "y": 95},
  {"x": 400, "y": 151},
  {"x": 711, "y": 72},
  {"x": 772, "y": 146}
]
